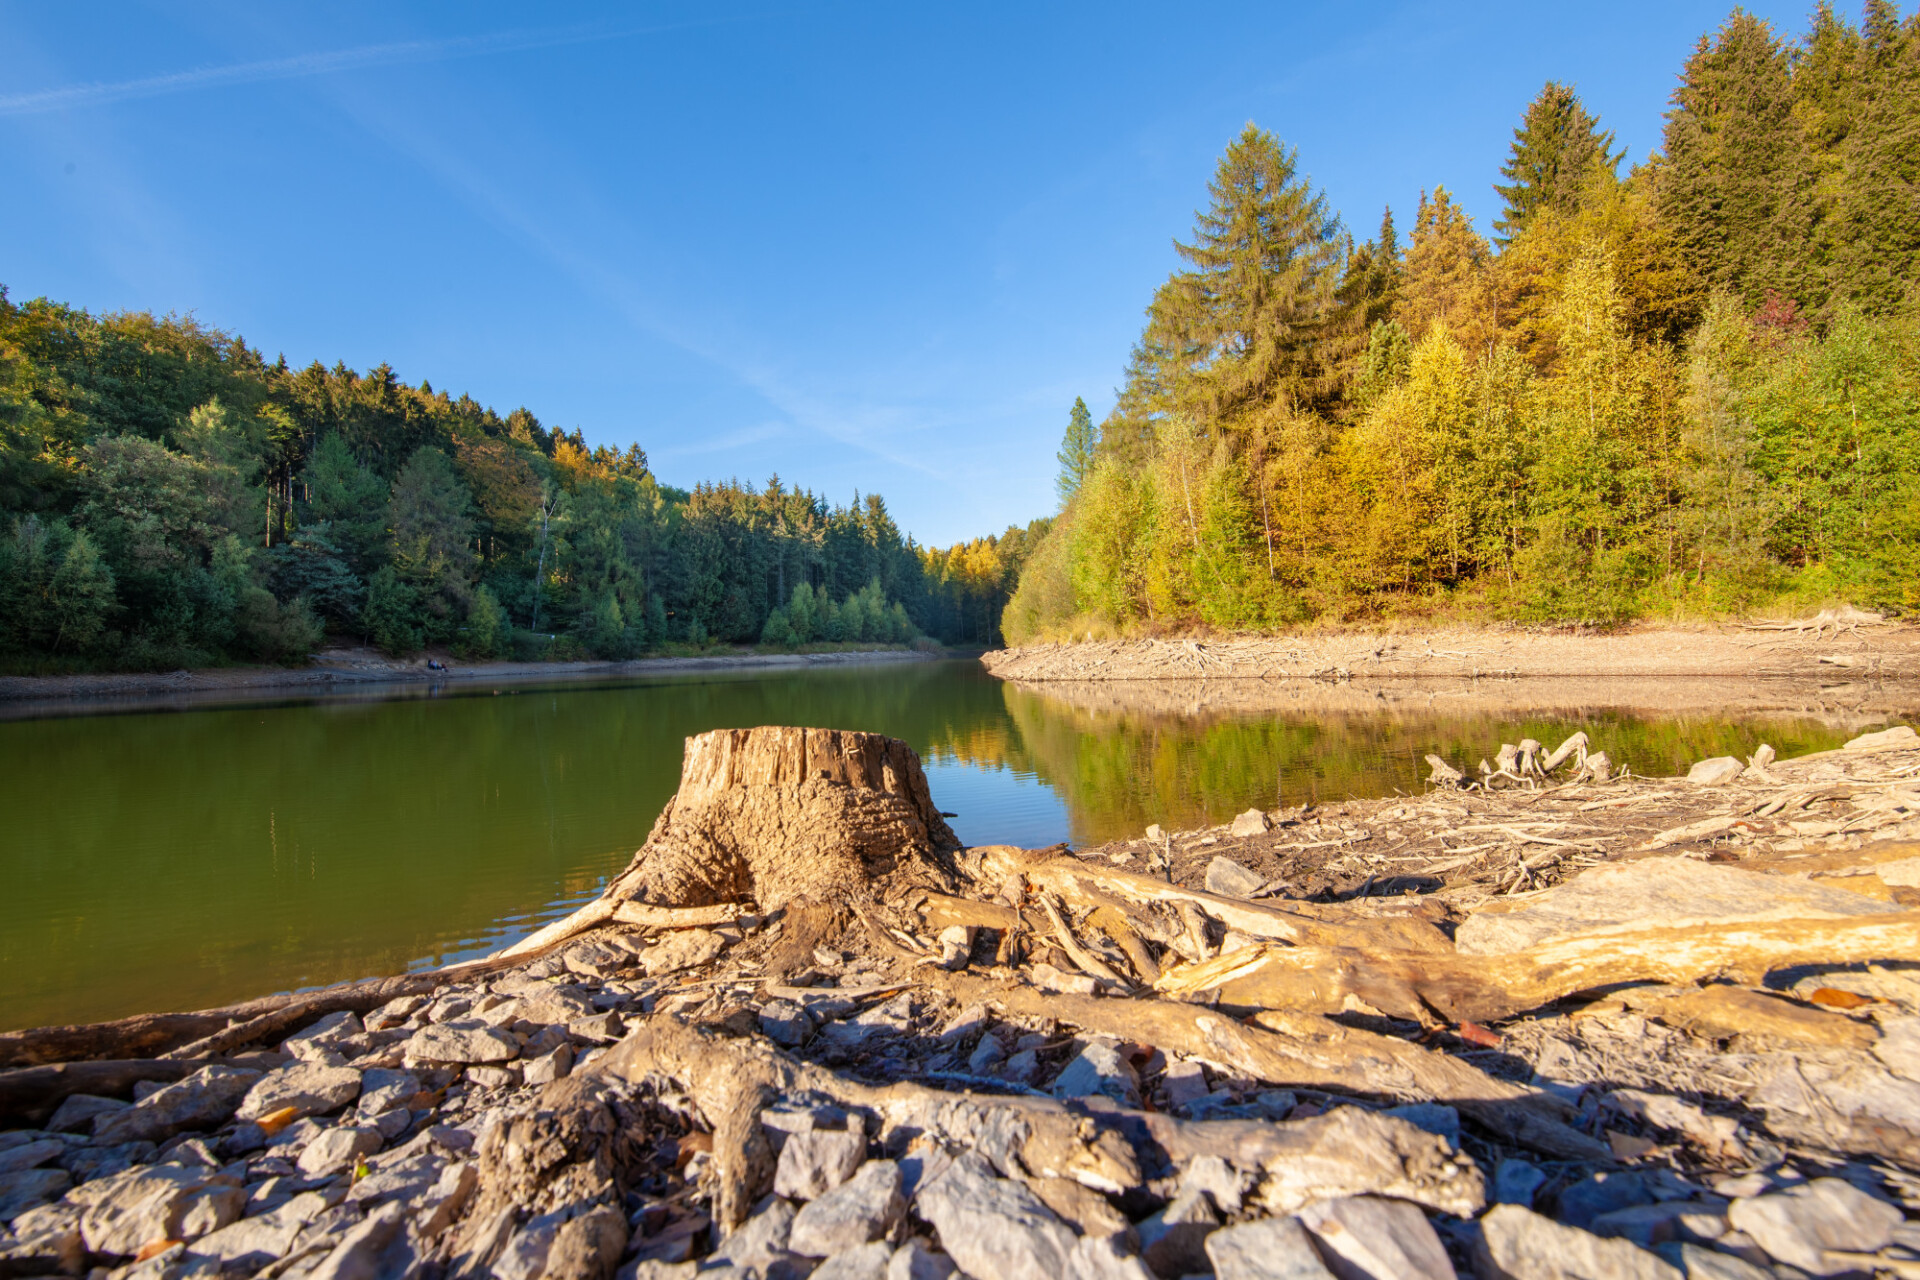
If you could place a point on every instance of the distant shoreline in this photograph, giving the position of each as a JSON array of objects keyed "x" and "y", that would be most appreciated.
[{"x": 339, "y": 672}]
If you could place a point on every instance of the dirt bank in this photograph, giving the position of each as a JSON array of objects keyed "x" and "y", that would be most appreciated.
[
  {"x": 1748, "y": 652},
  {"x": 336, "y": 670}
]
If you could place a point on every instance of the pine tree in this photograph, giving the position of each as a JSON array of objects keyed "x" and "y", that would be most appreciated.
[
  {"x": 1076, "y": 451},
  {"x": 1876, "y": 238},
  {"x": 81, "y": 595},
  {"x": 1447, "y": 278},
  {"x": 1557, "y": 151}
]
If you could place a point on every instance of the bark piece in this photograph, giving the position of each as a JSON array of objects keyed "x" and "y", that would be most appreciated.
[{"x": 1723, "y": 1012}]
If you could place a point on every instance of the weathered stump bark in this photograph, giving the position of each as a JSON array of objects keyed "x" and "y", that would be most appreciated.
[{"x": 772, "y": 815}]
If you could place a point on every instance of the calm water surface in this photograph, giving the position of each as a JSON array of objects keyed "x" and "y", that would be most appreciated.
[{"x": 178, "y": 859}]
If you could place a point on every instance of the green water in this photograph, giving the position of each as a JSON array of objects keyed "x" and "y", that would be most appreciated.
[{"x": 174, "y": 859}]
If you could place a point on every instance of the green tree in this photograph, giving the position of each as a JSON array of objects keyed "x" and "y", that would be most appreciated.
[
  {"x": 1557, "y": 152},
  {"x": 80, "y": 596},
  {"x": 1077, "y": 449},
  {"x": 392, "y": 609},
  {"x": 488, "y": 632},
  {"x": 430, "y": 517}
]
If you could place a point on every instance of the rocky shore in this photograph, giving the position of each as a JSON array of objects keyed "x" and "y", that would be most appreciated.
[{"x": 1543, "y": 1021}]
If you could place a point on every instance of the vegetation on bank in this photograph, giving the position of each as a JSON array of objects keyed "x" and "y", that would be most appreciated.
[
  {"x": 170, "y": 498},
  {"x": 1691, "y": 390}
]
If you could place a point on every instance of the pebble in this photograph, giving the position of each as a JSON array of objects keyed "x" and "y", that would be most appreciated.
[
  {"x": 1231, "y": 880},
  {"x": 991, "y": 1227},
  {"x": 864, "y": 1208},
  {"x": 814, "y": 1162},
  {"x": 1021, "y": 1068},
  {"x": 1800, "y": 1224},
  {"x": 986, "y": 1055},
  {"x": 1269, "y": 1249},
  {"x": 1379, "y": 1239}
]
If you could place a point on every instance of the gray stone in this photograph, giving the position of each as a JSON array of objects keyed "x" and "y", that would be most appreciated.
[
  {"x": 211, "y": 1210},
  {"x": 358, "y": 1255},
  {"x": 337, "y": 1149},
  {"x": 129, "y": 1211},
  {"x": 204, "y": 1100},
  {"x": 682, "y": 949},
  {"x": 1099, "y": 1257},
  {"x": 1021, "y": 1068},
  {"x": 525, "y": 1255},
  {"x": 862, "y": 1262},
  {"x": 1378, "y": 1239},
  {"x": 1185, "y": 1083},
  {"x": 1174, "y": 1240},
  {"x": 254, "y": 1242},
  {"x": 993, "y": 1228},
  {"x": 1601, "y": 1193},
  {"x": 76, "y": 1112},
  {"x": 865, "y": 1207},
  {"x": 397, "y": 1177},
  {"x": 1677, "y": 892},
  {"x": 446, "y": 1199},
  {"x": 969, "y": 1021},
  {"x": 1101, "y": 1069},
  {"x": 1650, "y": 1224},
  {"x": 1434, "y": 1117},
  {"x": 1717, "y": 772},
  {"x": 1251, "y": 823},
  {"x": 310, "y": 1088},
  {"x": 29, "y": 1188},
  {"x": 1270, "y": 1249},
  {"x": 383, "y": 1089},
  {"x": 1899, "y": 738},
  {"x": 44, "y": 1242},
  {"x": 1220, "y": 1180},
  {"x": 986, "y": 1055},
  {"x": 914, "y": 1261},
  {"x": 1800, "y": 1224},
  {"x": 1519, "y": 1244},
  {"x": 785, "y": 1022},
  {"x": 1702, "y": 1263},
  {"x": 90, "y": 1162},
  {"x": 1517, "y": 1182},
  {"x": 556, "y": 1064},
  {"x": 30, "y": 1155},
  {"x": 762, "y": 1238},
  {"x": 445, "y": 1042},
  {"x": 1231, "y": 880},
  {"x": 815, "y": 1162},
  {"x": 336, "y": 1035}
]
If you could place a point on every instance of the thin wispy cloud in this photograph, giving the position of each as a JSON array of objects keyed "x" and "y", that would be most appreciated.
[{"x": 73, "y": 97}]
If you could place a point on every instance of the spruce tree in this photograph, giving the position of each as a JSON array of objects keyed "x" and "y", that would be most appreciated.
[
  {"x": 1557, "y": 151},
  {"x": 1076, "y": 451},
  {"x": 1875, "y": 242}
]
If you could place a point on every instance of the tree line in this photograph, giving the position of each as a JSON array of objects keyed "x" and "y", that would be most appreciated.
[
  {"x": 168, "y": 497},
  {"x": 1689, "y": 389}
]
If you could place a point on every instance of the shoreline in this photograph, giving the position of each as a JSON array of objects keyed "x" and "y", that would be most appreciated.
[
  {"x": 1754, "y": 651},
  {"x": 347, "y": 671}
]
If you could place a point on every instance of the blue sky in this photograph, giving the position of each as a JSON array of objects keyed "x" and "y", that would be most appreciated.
[{"x": 864, "y": 247}]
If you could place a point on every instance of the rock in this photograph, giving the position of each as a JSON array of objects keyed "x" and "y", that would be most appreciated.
[
  {"x": 988, "y": 1054},
  {"x": 1434, "y": 1117},
  {"x": 76, "y": 1112},
  {"x": 865, "y": 1207},
  {"x": 43, "y": 1248},
  {"x": 815, "y": 1162},
  {"x": 1099, "y": 1257},
  {"x": 30, "y": 1155},
  {"x": 485, "y": 1077},
  {"x": 1800, "y": 1224},
  {"x": 447, "y": 1199},
  {"x": 1719, "y": 1136},
  {"x": 993, "y": 1228},
  {"x": 358, "y": 1255},
  {"x": 1251, "y": 823},
  {"x": 337, "y": 1149},
  {"x": 254, "y": 1242},
  {"x": 1717, "y": 772},
  {"x": 1350, "y": 1151},
  {"x": 1898, "y": 738},
  {"x": 762, "y": 1238},
  {"x": 211, "y": 1210},
  {"x": 1518, "y": 1244},
  {"x": 1516, "y": 1182},
  {"x": 94, "y": 1161},
  {"x": 1174, "y": 1240},
  {"x": 448, "y": 1042},
  {"x": 969, "y": 1021},
  {"x": 1650, "y": 1224},
  {"x": 1898, "y": 1047},
  {"x": 310, "y": 1088},
  {"x": 589, "y": 1244},
  {"x": 1598, "y": 1193},
  {"x": 1220, "y": 1180},
  {"x": 1154, "y": 833},
  {"x": 1227, "y": 877},
  {"x": 1185, "y": 1083},
  {"x": 1082, "y": 1208},
  {"x": 1021, "y": 1068},
  {"x": 1701, "y": 1263},
  {"x": 785, "y": 1022},
  {"x": 204, "y": 1100},
  {"x": 383, "y": 1089},
  {"x": 682, "y": 949},
  {"x": 862, "y": 1262},
  {"x": 29, "y": 1188},
  {"x": 1378, "y": 1239},
  {"x": 555, "y": 1065},
  {"x": 1100, "y": 1069},
  {"x": 397, "y": 1178},
  {"x": 601, "y": 1028},
  {"x": 1048, "y": 978},
  {"x": 332, "y": 1036},
  {"x": 395, "y": 1012},
  {"x": 1269, "y": 1249},
  {"x": 914, "y": 1261},
  {"x": 124, "y": 1213},
  {"x": 593, "y": 958},
  {"x": 1676, "y": 892}
]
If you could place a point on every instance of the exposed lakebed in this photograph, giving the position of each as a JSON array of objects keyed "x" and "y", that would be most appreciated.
[{"x": 172, "y": 859}]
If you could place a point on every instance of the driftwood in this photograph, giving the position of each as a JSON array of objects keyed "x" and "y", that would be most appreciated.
[
  {"x": 1462, "y": 988},
  {"x": 29, "y": 1095}
]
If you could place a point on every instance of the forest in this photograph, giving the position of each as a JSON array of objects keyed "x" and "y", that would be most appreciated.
[
  {"x": 1686, "y": 390},
  {"x": 169, "y": 498}
]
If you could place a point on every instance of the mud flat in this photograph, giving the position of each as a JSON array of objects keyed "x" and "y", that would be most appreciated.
[{"x": 1542, "y": 1021}]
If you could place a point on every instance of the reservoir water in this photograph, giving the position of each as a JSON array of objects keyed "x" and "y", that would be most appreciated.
[{"x": 163, "y": 858}]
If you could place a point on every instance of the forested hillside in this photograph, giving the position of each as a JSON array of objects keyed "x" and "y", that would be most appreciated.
[
  {"x": 1688, "y": 389},
  {"x": 169, "y": 498}
]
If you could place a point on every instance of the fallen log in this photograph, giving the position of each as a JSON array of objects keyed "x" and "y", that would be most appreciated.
[{"x": 1476, "y": 988}]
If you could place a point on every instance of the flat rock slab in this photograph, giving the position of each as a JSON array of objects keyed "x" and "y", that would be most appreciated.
[
  {"x": 993, "y": 1227},
  {"x": 1380, "y": 1239},
  {"x": 1270, "y": 1249},
  {"x": 310, "y": 1088},
  {"x": 682, "y": 949},
  {"x": 452, "y": 1042},
  {"x": 1800, "y": 1225},
  {"x": 1251, "y": 823},
  {"x": 1228, "y": 878},
  {"x": 864, "y": 1208},
  {"x": 1519, "y": 1244},
  {"x": 1717, "y": 772},
  {"x": 1656, "y": 893},
  {"x": 814, "y": 1162},
  {"x": 204, "y": 1100}
]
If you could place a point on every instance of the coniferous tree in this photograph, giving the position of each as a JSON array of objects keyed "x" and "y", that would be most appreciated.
[
  {"x": 1557, "y": 151},
  {"x": 1447, "y": 280},
  {"x": 1077, "y": 450},
  {"x": 1876, "y": 237}
]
